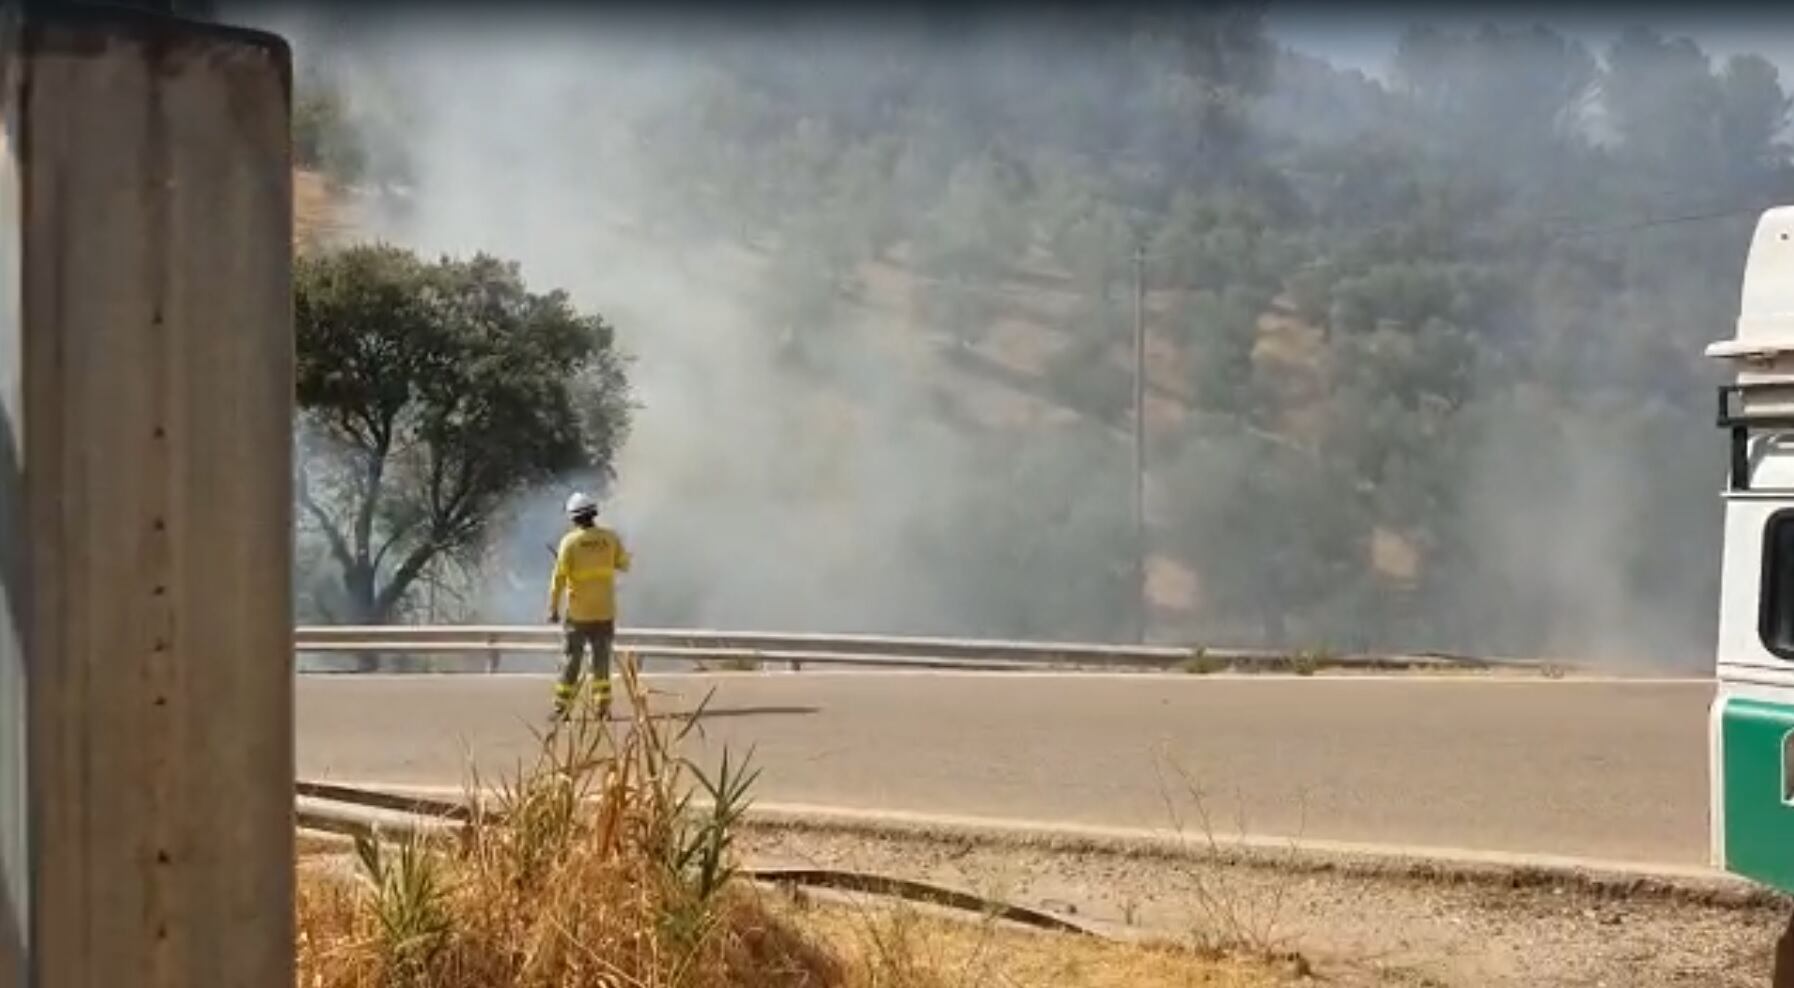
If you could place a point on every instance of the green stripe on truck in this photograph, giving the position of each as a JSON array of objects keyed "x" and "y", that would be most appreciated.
[{"x": 1759, "y": 822}]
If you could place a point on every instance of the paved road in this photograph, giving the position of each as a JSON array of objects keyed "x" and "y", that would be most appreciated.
[{"x": 1601, "y": 769}]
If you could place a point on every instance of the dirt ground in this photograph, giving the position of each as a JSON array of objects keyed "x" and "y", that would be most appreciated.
[
  {"x": 1355, "y": 929},
  {"x": 886, "y": 945}
]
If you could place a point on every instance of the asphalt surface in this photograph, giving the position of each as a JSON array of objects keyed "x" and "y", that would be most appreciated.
[{"x": 1604, "y": 769}]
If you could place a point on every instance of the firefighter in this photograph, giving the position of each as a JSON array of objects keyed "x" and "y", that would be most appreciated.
[{"x": 585, "y": 568}]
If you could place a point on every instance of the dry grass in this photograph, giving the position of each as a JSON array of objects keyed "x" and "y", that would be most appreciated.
[
  {"x": 905, "y": 948},
  {"x": 592, "y": 868},
  {"x": 595, "y": 868},
  {"x": 1227, "y": 923},
  {"x": 1203, "y": 664}
]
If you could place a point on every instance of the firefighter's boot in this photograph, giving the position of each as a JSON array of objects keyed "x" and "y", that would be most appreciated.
[
  {"x": 601, "y": 696},
  {"x": 563, "y": 703}
]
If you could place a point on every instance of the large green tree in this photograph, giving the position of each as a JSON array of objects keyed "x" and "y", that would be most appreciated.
[{"x": 430, "y": 394}]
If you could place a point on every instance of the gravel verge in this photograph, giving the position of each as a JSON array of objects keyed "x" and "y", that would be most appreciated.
[{"x": 1358, "y": 922}]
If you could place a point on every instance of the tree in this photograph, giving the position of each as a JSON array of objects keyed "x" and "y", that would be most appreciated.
[
  {"x": 1319, "y": 104},
  {"x": 1753, "y": 114},
  {"x": 1221, "y": 329},
  {"x": 1273, "y": 532},
  {"x": 1087, "y": 374},
  {"x": 1209, "y": 66},
  {"x": 341, "y": 112},
  {"x": 430, "y": 395},
  {"x": 811, "y": 271},
  {"x": 961, "y": 308},
  {"x": 1092, "y": 240},
  {"x": 1496, "y": 96},
  {"x": 1664, "y": 102},
  {"x": 323, "y": 138}
]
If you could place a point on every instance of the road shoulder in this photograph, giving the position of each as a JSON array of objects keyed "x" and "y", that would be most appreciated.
[{"x": 1359, "y": 925}]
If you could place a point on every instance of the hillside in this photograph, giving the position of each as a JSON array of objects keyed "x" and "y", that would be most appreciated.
[
  {"x": 1413, "y": 345},
  {"x": 1001, "y": 381}
]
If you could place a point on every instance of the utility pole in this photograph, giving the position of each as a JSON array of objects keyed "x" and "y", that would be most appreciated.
[
  {"x": 146, "y": 411},
  {"x": 1140, "y": 608}
]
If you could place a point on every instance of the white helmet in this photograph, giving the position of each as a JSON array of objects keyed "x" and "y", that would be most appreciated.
[{"x": 580, "y": 504}]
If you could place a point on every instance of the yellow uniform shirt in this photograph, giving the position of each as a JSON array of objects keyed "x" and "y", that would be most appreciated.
[{"x": 585, "y": 569}]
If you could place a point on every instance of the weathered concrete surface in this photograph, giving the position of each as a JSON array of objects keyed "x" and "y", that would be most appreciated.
[
  {"x": 1601, "y": 769},
  {"x": 145, "y": 471}
]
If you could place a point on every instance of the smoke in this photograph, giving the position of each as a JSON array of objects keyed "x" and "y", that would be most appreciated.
[
  {"x": 1591, "y": 537},
  {"x": 1587, "y": 470},
  {"x": 763, "y": 486},
  {"x": 849, "y": 479}
]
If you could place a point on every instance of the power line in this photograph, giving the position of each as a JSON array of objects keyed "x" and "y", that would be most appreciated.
[{"x": 1647, "y": 224}]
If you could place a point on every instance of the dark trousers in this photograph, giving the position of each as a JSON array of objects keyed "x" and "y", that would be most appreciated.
[{"x": 579, "y": 636}]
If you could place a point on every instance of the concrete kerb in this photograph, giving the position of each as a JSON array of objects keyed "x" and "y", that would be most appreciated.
[
  {"x": 1605, "y": 878},
  {"x": 1414, "y": 863}
]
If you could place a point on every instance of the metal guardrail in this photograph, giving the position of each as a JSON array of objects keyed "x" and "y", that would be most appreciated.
[{"x": 799, "y": 649}]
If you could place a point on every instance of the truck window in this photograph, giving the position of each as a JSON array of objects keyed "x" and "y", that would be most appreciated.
[{"x": 1775, "y": 619}]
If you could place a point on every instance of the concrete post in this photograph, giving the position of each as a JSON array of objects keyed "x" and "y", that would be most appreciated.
[{"x": 146, "y": 389}]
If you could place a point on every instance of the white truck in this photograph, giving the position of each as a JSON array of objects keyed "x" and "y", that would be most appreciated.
[{"x": 1751, "y": 724}]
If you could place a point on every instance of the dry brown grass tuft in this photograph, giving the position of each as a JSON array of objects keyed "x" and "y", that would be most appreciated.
[
  {"x": 592, "y": 868},
  {"x": 904, "y": 948}
]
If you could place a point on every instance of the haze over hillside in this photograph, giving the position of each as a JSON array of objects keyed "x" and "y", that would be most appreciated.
[{"x": 1424, "y": 353}]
